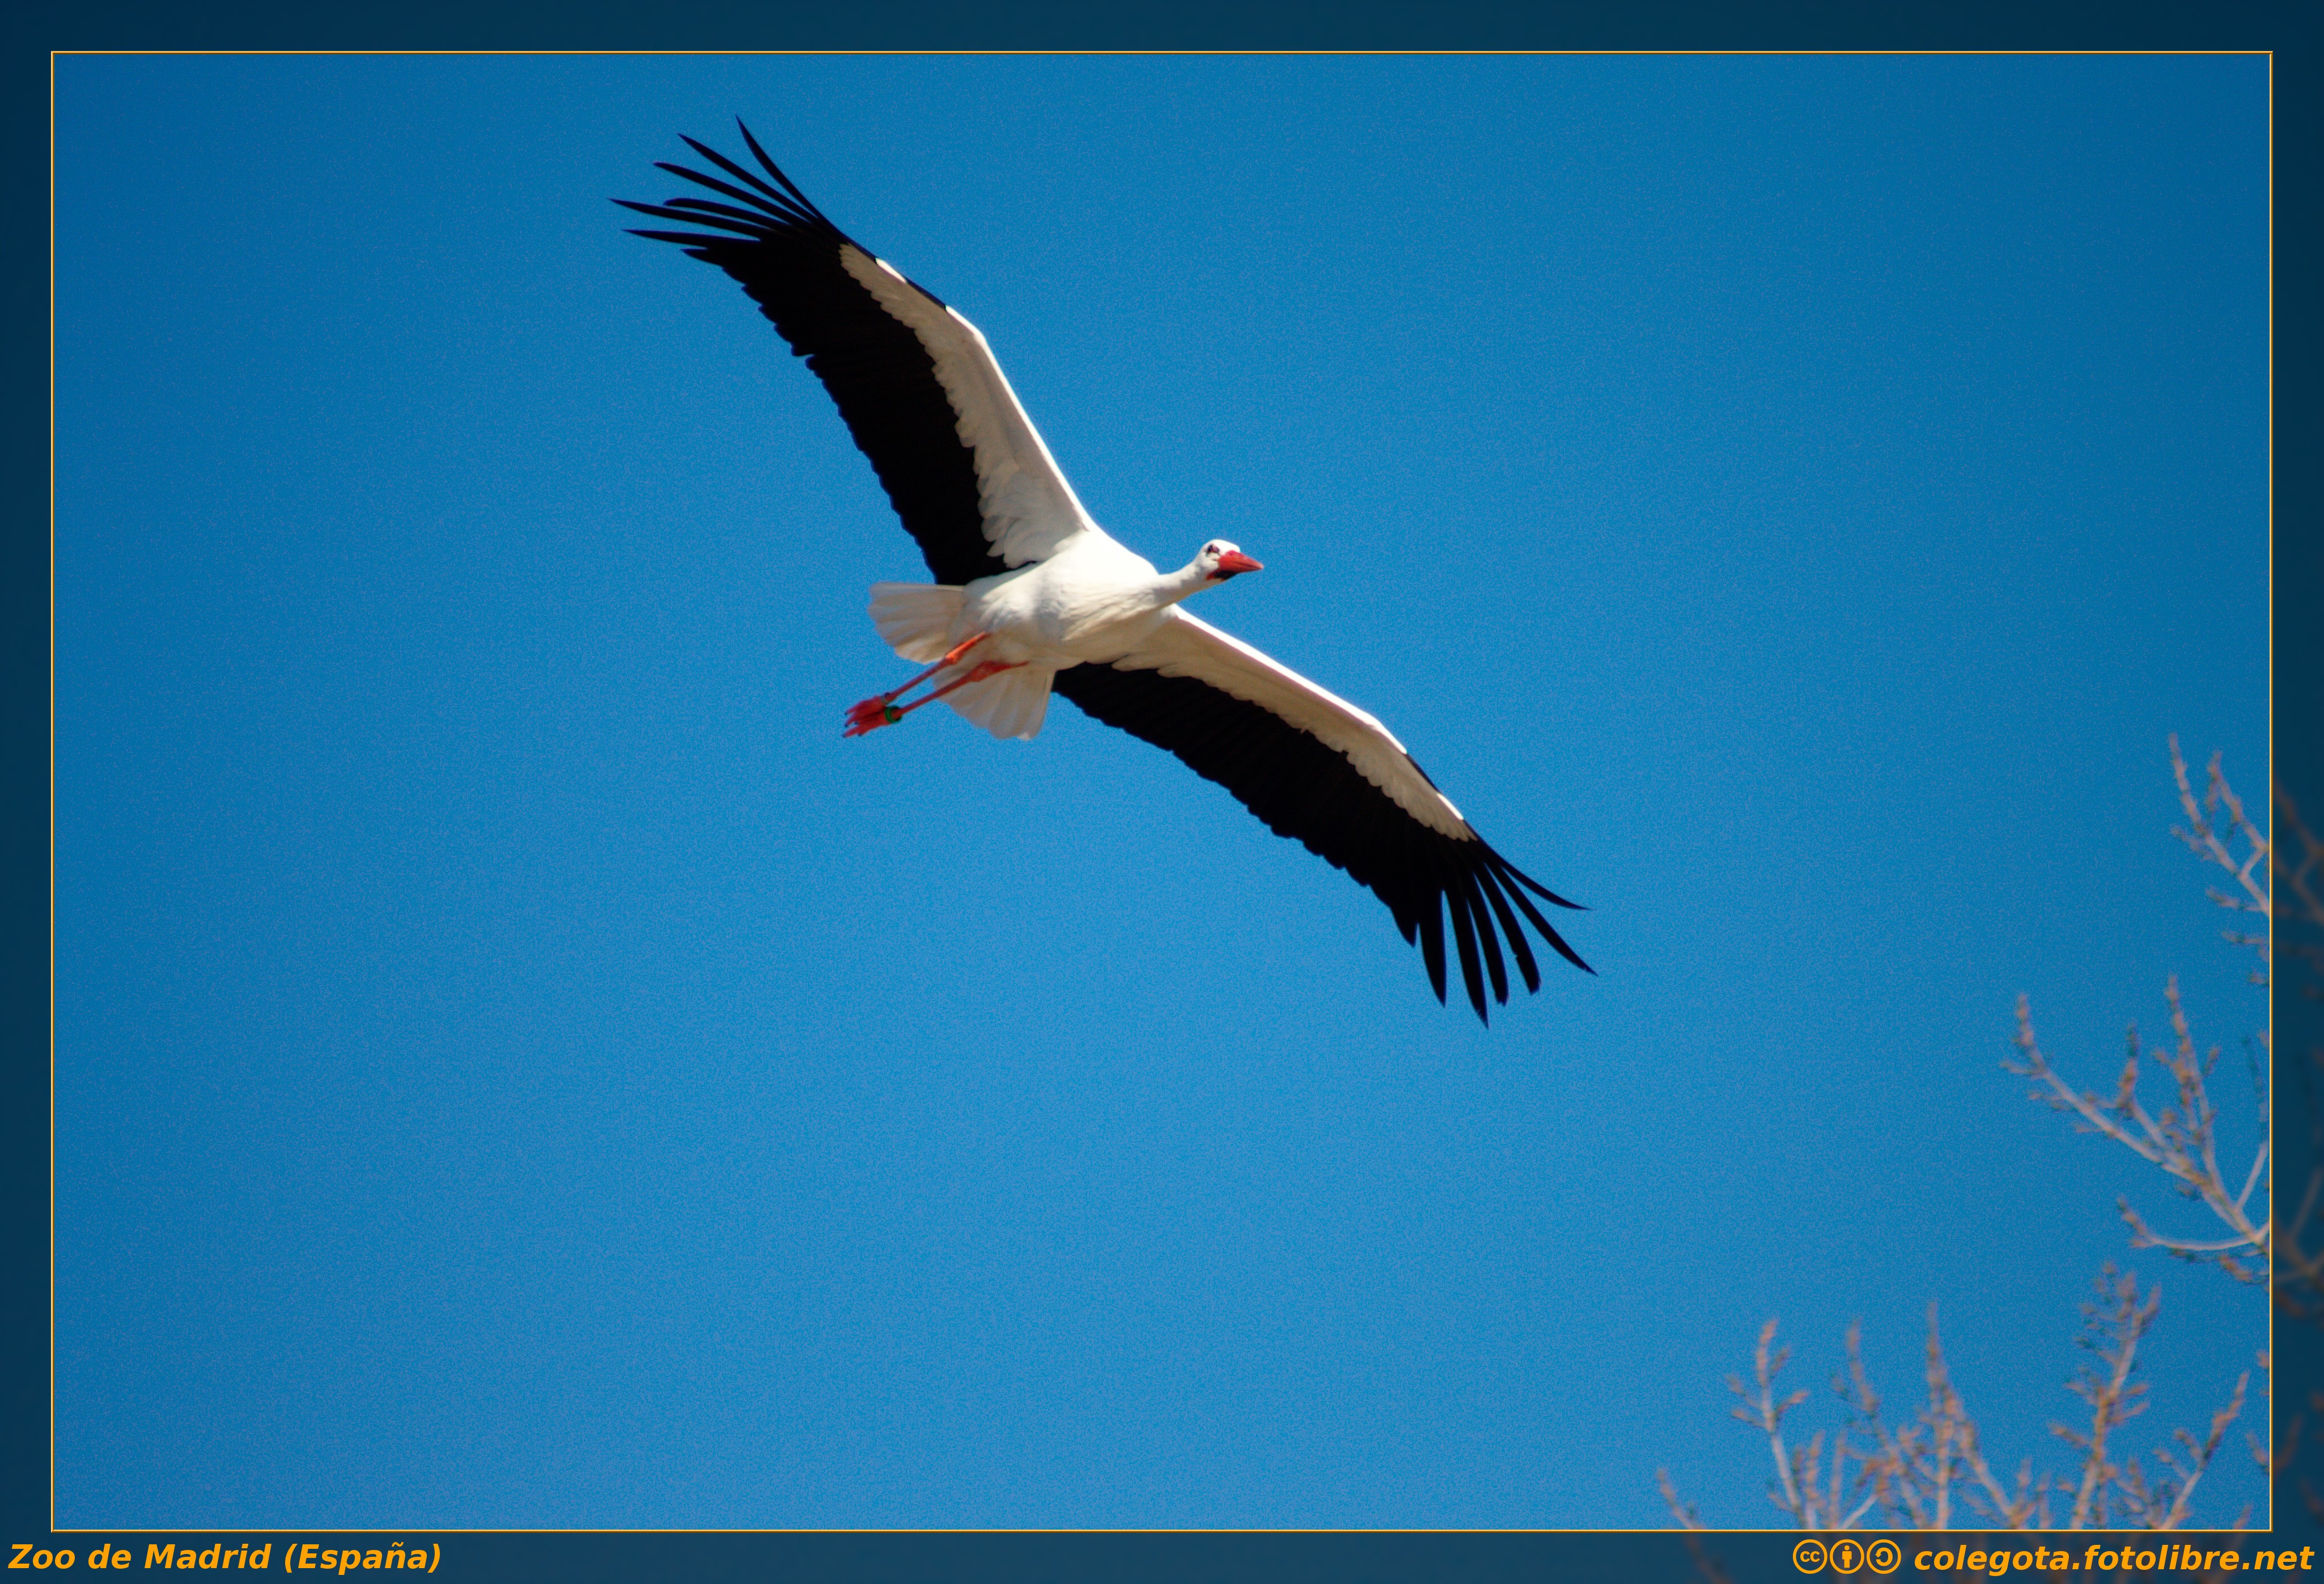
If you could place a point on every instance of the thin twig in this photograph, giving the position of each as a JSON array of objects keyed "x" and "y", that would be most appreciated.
[
  {"x": 2253, "y": 872},
  {"x": 1688, "y": 1518},
  {"x": 2113, "y": 1328},
  {"x": 2183, "y": 1140},
  {"x": 1766, "y": 1414}
]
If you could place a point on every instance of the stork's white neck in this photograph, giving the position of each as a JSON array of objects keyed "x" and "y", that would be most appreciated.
[{"x": 1190, "y": 578}]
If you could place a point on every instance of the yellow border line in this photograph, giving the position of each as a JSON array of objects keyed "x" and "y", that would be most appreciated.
[
  {"x": 2274, "y": 1219},
  {"x": 2269, "y": 54},
  {"x": 2093, "y": 54},
  {"x": 52, "y": 793}
]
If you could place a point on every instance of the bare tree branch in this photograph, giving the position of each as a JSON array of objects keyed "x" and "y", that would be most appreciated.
[
  {"x": 1908, "y": 1476},
  {"x": 1766, "y": 1414},
  {"x": 2299, "y": 880},
  {"x": 2252, "y": 871},
  {"x": 1688, "y": 1518},
  {"x": 2183, "y": 1140},
  {"x": 2113, "y": 1328}
]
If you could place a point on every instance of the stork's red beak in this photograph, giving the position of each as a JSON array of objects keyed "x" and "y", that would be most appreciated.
[{"x": 1233, "y": 562}]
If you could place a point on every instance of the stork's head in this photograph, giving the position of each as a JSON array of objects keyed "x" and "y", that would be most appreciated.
[{"x": 1219, "y": 560}]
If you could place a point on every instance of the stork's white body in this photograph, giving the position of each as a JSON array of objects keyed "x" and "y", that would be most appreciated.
[{"x": 1091, "y": 601}]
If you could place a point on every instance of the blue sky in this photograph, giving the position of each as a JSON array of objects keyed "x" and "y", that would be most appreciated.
[{"x": 516, "y": 1065}]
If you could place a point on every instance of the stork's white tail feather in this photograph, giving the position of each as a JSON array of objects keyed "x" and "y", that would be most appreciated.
[
  {"x": 915, "y": 619},
  {"x": 1013, "y": 704}
]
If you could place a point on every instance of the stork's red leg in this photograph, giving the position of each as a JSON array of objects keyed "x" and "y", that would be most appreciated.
[
  {"x": 879, "y": 711},
  {"x": 984, "y": 670},
  {"x": 889, "y": 714}
]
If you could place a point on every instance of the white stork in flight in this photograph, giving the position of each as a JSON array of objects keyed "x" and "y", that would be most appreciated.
[{"x": 1031, "y": 595}]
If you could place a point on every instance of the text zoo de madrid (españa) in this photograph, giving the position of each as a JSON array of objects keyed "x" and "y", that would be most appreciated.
[
  {"x": 294, "y": 1558},
  {"x": 2098, "y": 1556}
]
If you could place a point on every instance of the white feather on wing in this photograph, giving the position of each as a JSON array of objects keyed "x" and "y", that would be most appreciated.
[
  {"x": 1028, "y": 505},
  {"x": 1188, "y": 646}
]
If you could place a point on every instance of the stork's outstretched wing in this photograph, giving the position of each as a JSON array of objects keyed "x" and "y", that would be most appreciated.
[
  {"x": 915, "y": 381},
  {"x": 1321, "y": 771}
]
